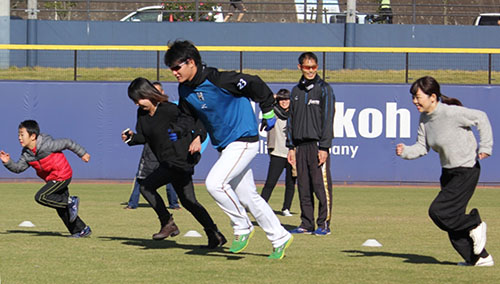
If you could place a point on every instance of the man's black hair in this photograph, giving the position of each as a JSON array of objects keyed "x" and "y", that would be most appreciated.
[
  {"x": 180, "y": 51},
  {"x": 307, "y": 55},
  {"x": 31, "y": 127}
]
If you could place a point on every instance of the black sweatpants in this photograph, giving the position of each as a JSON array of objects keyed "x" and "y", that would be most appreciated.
[
  {"x": 55, "y": 194},
  {"x": 183, "y": 185},
  {"x": 448, "y": 209},
  {"x": 313, "y": 179},
  {"x": 276, "y": 166}
]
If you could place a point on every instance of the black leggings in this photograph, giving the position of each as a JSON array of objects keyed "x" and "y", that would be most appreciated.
[
  {"x": 183, "y": 185},
  {"x": 55, "y": 194},
  {"x": 276, "y": 166}
]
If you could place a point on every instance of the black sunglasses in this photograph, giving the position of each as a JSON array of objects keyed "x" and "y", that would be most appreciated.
[{"x": 178, "y": 66}]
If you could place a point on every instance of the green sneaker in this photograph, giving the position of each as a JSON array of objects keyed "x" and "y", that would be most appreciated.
[
  {"x": 240, "y": 242},
  {"x": 279, "y": 252}
]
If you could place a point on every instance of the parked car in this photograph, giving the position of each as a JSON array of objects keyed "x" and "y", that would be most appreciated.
[
  {"x": 159, "y": 14},
  {"x": 145, "y": 14},
  {"x": 487, "y": 19}
]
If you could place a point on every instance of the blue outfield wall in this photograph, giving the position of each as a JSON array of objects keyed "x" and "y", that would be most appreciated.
[
  {"x": 255, "y": 34},
  {"x": 370, "y": 120}
]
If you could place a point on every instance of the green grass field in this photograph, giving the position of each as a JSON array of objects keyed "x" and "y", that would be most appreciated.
[
  {"x": 121, "y": 249},
  {"x": 285, "y": 75}
]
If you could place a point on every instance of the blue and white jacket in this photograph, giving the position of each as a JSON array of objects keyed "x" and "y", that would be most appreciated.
[{"x": 221, "y": 100}]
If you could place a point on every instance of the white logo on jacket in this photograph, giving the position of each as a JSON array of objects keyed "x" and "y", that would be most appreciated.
[
  {"x": 200, "y": 96},
  {"x": 313, "y": 102},
  {"x": 241, "y": 84}
]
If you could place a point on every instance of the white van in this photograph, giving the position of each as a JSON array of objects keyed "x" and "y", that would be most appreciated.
[
  {"x": 487, "y": 19},
  {"x": 159, "y": 14},
  {"x": 145, "y": 14}
]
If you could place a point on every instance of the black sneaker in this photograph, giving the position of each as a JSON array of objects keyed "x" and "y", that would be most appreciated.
[
  {"x": 86, "y": 232},
  {"x": 215, "y": 239}
]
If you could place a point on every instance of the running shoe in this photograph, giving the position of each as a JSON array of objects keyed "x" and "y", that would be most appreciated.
[
  {"x": 240, "y": 242},
  {"x": 279, "y": 252}
]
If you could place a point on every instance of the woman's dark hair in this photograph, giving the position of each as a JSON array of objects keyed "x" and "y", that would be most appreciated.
[
  {"x": 180, "y": 51},
  {"x": 31, "y": 127},
  {"x": 283, "y": 94},
  {"x": 430, "y": 86},
  {"x": 142, "y": 88}
]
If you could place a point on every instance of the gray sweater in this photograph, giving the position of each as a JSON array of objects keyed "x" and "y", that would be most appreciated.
[
  {"x": 447, "y": 130},
  {"x": 276, "y": 139}
]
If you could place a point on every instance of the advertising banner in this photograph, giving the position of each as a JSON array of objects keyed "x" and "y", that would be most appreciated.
[{"x": 370, "y": 120}]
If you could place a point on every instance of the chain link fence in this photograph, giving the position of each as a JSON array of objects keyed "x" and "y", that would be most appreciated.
[
  {"x": 273, "y": 64},
  {"x": 446, "y": 12}
]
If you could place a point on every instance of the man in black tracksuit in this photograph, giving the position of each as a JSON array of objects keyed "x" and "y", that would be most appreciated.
[{"x": 309, "y": 138}]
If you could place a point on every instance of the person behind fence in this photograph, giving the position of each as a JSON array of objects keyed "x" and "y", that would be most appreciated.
[
  {"x": 218, "y": 16},
  {"x": 276, "y": 145},
  {"x": 309, "y": 138},
  {"x": 222, "y": 102},
  {"x": 445, "y": 126},
  {"x": 236, "y": 5},
  {"x": 45, "y": 155},
  {"x": 385, "y": 11},
  {"x": 170, "y": 135}
]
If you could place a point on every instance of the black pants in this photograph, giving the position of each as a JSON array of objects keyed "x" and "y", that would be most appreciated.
[
  {"x": 448, "y": 209},
  {"x": 183, "y": 185},
  {"x": 313, "y": 179},
  {"x": 55, "y": 194},
  {"x": 276, "y": 166}
]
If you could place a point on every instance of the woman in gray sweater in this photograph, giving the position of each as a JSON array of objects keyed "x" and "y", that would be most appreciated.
[{"x": 445, "y": 126}]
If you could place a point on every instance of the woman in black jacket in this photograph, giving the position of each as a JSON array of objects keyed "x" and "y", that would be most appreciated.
[{"x": 169, "y": 133}]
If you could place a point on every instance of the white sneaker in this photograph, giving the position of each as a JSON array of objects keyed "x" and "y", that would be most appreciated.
[
  {"x": 485, "y": 261},
  {"x": 286, "y": 213},
  {"x": 478, "y": 236}
]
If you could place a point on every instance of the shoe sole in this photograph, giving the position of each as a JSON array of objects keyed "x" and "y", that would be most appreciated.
[
  {"x": 244, "y": 247},
  {"x": 322, "y": 235},
  {"x": 80, "y": 236},
  {"x": 486, "y": 264},
  {"x": 173, "y": 234},
  {"x": 301, "y": 233}
]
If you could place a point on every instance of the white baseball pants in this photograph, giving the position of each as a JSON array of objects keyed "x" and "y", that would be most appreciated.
[{"x": 230, "y": 182}]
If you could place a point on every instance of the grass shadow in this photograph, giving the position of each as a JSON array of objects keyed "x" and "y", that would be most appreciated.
[
  {"x": 142, "y": 205},
  {"x": 36, "y": 233},
  {"x": 166, "y": 244},
  {"x": 408, "y": 257}
]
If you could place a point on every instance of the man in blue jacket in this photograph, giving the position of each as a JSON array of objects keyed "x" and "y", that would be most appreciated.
[{"x": 221, "y": 101}]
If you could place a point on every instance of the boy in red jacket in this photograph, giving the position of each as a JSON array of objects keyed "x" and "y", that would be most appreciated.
[{"x": 45, "y": 155}]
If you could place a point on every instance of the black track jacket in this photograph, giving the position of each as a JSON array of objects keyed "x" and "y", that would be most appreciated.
[
  {"x": 312, "y": 109},
  {"x": 153, "y": 130}
]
